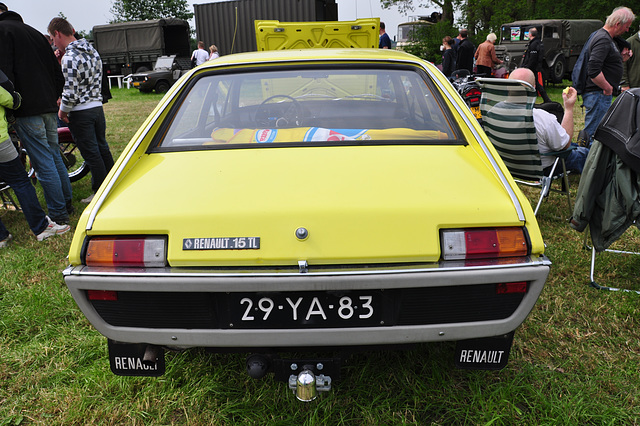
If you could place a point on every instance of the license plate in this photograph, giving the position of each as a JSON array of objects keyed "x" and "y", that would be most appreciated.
[
  {"x": 136, "y": 84},
  {"x": 305, "y": 309},
  {"x": 476, "y": 112}
]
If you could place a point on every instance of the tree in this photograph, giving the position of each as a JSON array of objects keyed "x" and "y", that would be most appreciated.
[
  {"x": 483, "y": 16},
  {"x": 139, "y": 10},
  {"x": 429, "y": 39},
  {"x": 405, "y": 6}
]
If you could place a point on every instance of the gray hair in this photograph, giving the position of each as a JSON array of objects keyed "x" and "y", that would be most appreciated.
[
  {"x": 492, "y": 37},
  {"x": 620, "y": 15}
]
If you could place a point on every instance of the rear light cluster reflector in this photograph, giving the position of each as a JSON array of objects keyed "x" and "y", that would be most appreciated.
[
  {"x": 483, "y": 243},
  {"x": 107, "y": 295},
  {"x": 148, "y": 252},
  {"x": 511, "y": 288}
]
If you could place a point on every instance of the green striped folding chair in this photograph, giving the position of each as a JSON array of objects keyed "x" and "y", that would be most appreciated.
[{"x": 507, "y": 118}]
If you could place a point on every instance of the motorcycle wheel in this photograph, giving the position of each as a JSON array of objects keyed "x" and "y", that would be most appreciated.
[{"x": 73, "y": 161}]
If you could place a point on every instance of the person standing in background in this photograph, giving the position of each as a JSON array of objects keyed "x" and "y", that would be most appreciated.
[
  {"x": 486, "y": 56},
  {"x": 533, "y": 59},
  {"x": 448, "y": 56},
  {"x": 385, "y": 41},
  {"x": 464, "y": 59},
  {"x": 199, "y": 56},
  {"x": 12, "y": 172},
  {"x": 604, "y": 69},
  {"x": 81, "y": 101},
  {"x": 631, "y": 68},
  {"x": 27, "y": 59},
  {"x": 213, "y": 52}
]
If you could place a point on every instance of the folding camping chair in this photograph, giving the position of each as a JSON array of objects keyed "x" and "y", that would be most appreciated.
[
  {"x": 590, "y": 215},
  {"x": 507, "y": 117},
  {"x": 608, "y": 197}
]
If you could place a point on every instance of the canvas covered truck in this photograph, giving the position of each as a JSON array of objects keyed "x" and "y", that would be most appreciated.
[
  {"x": 133, "y": 47},
  {"x": 563, "y": 41}
]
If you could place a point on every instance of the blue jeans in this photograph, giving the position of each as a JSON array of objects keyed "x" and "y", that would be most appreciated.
[
  {"x": 12, "y": 172},
  {"x": 39, "y": 134},
  {"x": 88, "y": 128},
  {"x": 577, "y": 158},
  {"x": 597, "y": 105}
]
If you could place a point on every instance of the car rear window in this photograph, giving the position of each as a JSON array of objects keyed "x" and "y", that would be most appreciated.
[{"x": 308, "y": 106}]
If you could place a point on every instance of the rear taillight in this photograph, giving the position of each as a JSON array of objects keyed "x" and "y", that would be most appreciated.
[
  {"x": 473, "y": 97},
  {"x": 146, "y": 252},
  {"x": 483, "y": 243}
]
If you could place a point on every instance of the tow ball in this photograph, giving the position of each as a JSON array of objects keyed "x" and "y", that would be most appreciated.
[{"x": 306, "y": 384}]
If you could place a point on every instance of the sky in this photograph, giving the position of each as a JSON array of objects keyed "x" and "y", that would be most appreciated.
[{"x": 84, "y": 14}]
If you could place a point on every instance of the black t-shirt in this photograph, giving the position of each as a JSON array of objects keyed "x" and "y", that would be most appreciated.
[{"x": 603, "y": 57}]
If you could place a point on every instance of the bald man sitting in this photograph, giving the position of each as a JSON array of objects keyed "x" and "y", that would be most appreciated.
[{"x": 553, "y": 136}]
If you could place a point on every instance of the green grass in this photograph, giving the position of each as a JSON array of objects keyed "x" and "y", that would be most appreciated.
[{"x": 575, "y": 360}]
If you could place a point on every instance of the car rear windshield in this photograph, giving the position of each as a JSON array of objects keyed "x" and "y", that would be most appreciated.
[{"x": 308, "y": 106}]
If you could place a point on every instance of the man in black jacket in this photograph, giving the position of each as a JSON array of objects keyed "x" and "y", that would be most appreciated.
[
  {"x": 466, "y": 50},
  {"x": 27, "y": 59},
  {"x": 533, "y": 59}
]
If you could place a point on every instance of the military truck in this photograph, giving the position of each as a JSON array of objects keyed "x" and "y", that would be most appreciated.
[
  {"x": 133, "y": 47},
  {"x": 166, "y": 71},
  {"x": 563, "y": 41}
]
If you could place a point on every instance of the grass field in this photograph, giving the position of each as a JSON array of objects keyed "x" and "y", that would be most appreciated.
[{"x": 575, "y": 360}]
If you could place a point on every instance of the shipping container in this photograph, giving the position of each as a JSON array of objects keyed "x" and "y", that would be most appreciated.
[{"x": 230, "y": 24}]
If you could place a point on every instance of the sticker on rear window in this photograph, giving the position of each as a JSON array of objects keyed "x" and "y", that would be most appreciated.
[{"x": 221, "y": 243}]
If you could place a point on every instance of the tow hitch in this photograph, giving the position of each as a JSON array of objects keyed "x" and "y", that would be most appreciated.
[
  {"x": 306, "y": 384},
  {"x": 306, "y": 377}
]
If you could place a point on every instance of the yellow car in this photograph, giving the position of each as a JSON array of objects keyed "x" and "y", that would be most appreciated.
[{"x": 307, "y": 200}]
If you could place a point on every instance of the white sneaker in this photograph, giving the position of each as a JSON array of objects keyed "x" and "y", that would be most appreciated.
[
  {"x": 88, "y": 199},
  {"x": 52, "y": 229},
  {"x": 5, "y": 242}
]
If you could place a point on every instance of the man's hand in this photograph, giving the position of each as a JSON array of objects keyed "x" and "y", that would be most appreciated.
[
  {"x": 63, "y": 116},
  {"x": 602, "y": 83},
  {"x": 569, "y": 97}
]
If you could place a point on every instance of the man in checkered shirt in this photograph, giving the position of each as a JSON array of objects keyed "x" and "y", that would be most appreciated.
[{"x": 81, "y": 101}]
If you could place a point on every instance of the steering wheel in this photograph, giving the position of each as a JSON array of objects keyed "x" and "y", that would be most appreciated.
[{"x": 289, "y": 115}]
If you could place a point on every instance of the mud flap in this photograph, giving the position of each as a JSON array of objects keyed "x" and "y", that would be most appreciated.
[
  {"x": 489, "y": 353},
  {"x": 127, "y": 359}
]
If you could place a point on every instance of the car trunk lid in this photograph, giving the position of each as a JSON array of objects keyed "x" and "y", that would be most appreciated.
[{"x": 324, "y": 205}]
